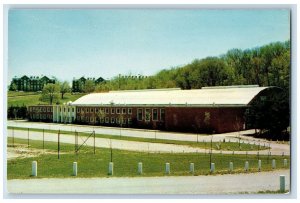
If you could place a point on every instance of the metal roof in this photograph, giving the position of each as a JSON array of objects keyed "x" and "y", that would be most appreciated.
[{"x": 216, "y": 96}]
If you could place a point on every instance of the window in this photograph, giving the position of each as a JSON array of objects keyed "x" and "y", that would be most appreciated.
[
  {"x": 92, "y": 119},
  {"x": 73, "y": 109},
  {"x": 118, "y": 120},
  {"x": 106, "y": 120},
  {"x": 92, "y": 110},
  {"x": 118, "y": 111},
  {"x": 140, "y": 115},
  {"x": 107, "y": 110},
  {"x": 123, "y": 121},
  {"x": 129, "y": 111},
  {"x": 48, "y": 109},
  {"x": 78, "y": 110},
  {"x": 112, "y": 120},
  {"x": 162, "y": 114},
  {"x": 87, "y": 110},
  {"x": 44, "y": 109},
  {"x": 51, "y": 109},
  {"x": 112, "y": 110},
  {"x": 147, "y": 115},
  {"x": 96, "y": 110},
  {"x": 123, "y": 111},
  {"x": 129, "y": 120},
  {"x": 154, "y": 115},
  {"x": 102, "y": 120}
]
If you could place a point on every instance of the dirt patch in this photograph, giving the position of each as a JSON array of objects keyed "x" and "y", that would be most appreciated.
[{"x": 22, "y": 151}]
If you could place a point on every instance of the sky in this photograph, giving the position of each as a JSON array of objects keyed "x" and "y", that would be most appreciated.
[{"x": 107, "y": 42}]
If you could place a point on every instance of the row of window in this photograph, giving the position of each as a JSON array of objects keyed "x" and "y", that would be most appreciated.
[
  {"x": 105, "y": 110},
  {"x": 68, "y": 109},
  {"x": 41, "y": 116},
  {"x": 111, "y": 120},
  {"x": 40, "y": 109},
  {"x": 147, "y": 115}
]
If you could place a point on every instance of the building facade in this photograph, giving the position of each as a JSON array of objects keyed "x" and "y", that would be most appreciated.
[
  {"x": 206, "y": 110},
  {"x": 30, "y": 84},
  {"x": 78, "y": 84}
]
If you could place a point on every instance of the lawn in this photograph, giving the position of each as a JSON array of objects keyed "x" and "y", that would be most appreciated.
[
  {"x": 32, "y": 98},
  {"x": 125, "y": 162},
  {"x": 225, "y": 146}
]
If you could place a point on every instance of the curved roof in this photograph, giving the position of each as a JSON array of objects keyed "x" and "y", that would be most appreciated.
[{"x": 219, "y": 96}]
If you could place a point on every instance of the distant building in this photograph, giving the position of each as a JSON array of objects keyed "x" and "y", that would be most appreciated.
[
  {"x": 214, "y": 109},
  {"x": 78, "y": 84},
  {"x": 29, "y": 84}
]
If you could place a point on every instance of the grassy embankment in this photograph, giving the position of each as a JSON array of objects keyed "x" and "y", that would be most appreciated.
[
  {"x": 225, "y": 146},
  {"x": 32, "y": 98},
  {"x": 125, "y": 162}
]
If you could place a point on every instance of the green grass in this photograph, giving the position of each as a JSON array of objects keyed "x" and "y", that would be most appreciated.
[
  {"x": 125, "y": 162},
  {"x": 224, "y": 146},
  {"x": 32, "y": 98}
]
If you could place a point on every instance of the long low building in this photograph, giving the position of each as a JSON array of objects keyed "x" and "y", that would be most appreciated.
[{"x": 210, "y": 109}]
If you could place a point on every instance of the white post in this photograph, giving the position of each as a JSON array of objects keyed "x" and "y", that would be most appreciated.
[
  {"x": 74, "y": 168},
  {"x": 140, "y": 168},
  {"x": 273, "y": 164},
  {"x": 285, "y": 162},
  {"x": 212, "y": 167},
  {"x": 111, "y": 168},
  {"x": 282, "y": 183},
  {"x": 259, "y": 165},
  {"x": 192, "y": 168},
  {"x": 34, "y": 168},
  {"x": 167, "y": 168},
  {"x": 246, "y": 166},
  {"x": 231, "y": 166}
]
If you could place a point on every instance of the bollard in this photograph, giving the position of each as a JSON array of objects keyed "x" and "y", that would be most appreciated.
[
  {"x": 167, "y": 168},
  {"x": 192, "y": 168},
  {"x": 285, "y": 162},
  {"x": 140, "y": 168},
  {"x": 74, "y": 168},
  {"x": 282, "y": 183},
  {"x": 34, "y": 169},
  {"x": 259, "y": 165},
  {"x": 111, "y": 168},
  {"x": 231, "y": 166},
  {"x": 246, "y": 166},
  {"x": 212, "y": 167},
  {"x": 273, "y": 164}
]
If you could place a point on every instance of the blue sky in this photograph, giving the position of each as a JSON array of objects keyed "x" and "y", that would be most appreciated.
[{"x": 93, "y": 43}]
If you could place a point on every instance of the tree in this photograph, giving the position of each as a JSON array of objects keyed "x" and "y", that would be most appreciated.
[
  {"x": 50, "y": 93},
  {"x": 13, "y": 87},
  {"x": 101, "y": 115},
  {"x": 64, "y": 88},
  {"x": 89, "y": 86}
]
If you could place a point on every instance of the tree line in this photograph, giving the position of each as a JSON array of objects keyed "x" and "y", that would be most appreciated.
[{"x": 268, "y": 65}]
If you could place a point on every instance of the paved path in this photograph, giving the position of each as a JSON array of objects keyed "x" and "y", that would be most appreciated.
[
  {"x": 131, "y": 145},
  {"x": 276, "y": 149},
  {"x": 219, "y": 184}
]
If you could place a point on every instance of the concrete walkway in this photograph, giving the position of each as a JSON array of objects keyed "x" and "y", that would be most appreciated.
[{"x": 219, "y": 184}]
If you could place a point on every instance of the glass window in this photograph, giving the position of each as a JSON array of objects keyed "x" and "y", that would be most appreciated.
[
  {"x": 118, "y": 120},
  {"x": 140, "y": 115},
  {"x": 96, "y": 110},
  {"x": 112, "y": 120},
  {"x": 162, "y": 114},
  {"x": 106, "y": 120},
  {"x": 154, "y": 114},
  {"x": 92, "y": 110},
  {"x": 129, "y": 121},
  {"x": 112, "y": 110},
  {"x": 107, "y": 110},
  {"x": 147, "y": 115},
  {"x": 123, "y": 111},
  {"x": 118, "y": 111},
  {"x": 78, "y": 110},
  {"x": 129, "y": 111},
  {"x": 87, "y": 110}
]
